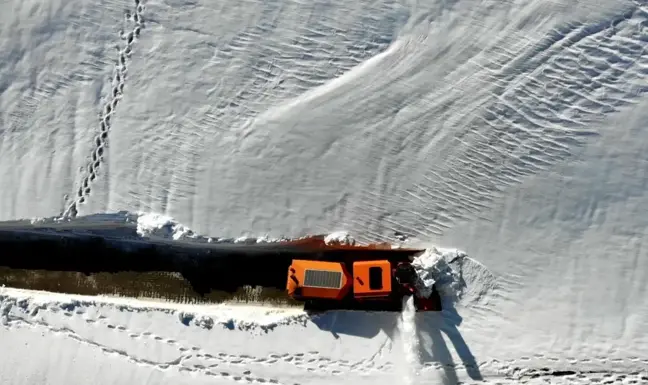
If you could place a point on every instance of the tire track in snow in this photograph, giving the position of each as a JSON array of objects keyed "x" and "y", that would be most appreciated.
[
  {"x": 194, "y": 359},
  {"x": 546, "y": 102},
  {"x": 504, "y": 373},
  {"x": 97, "y": 156},
  {"x": 190, "y": 358},
  {"x": 175, "y": 364},
  {"x": 310, "y": 362}
]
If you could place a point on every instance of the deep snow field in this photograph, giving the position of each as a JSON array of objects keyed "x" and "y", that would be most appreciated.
[{"x": 514, "y": 131}]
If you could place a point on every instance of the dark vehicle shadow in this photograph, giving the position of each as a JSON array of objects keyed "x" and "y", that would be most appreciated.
[
  {"x": 434, "y": 350},
  {"x": 356, "y": 323},
  {"x": 434, "y": 329}
]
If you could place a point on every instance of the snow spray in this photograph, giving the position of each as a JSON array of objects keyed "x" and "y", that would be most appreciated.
[{"x": 409, "y": 337}]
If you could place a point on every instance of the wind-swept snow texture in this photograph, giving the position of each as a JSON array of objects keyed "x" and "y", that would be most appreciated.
[{"x": 513, "y": 130}]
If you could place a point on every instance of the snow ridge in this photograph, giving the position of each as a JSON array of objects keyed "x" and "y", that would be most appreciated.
[
  {"x": 339, "y": 238},
  {"x": 537, "y": 103},
  {"x": 157, "y": 225},
  {"x": 253, "y": 319},
  {"x": 127, "y": 224}
]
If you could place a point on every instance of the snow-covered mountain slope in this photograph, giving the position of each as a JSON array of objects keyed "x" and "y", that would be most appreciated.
[
  {"x": 294, "y": 117},
  {"x": 515, "y": 131}
]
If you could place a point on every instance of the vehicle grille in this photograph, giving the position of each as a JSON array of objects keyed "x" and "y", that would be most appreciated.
[{"x": 323, "y": 279}]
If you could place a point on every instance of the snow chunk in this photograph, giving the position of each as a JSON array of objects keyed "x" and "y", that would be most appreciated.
[
  {"x": 157, "y": 225},
  {"x": 339, "y": 238},
  {"x": 433, "y": 267},
  {"x": 5, "y": 309},
  {"x": 457, "y": 277},
  {"x": 128, "y": 225},
  {"x": 151, "y": 225},
  {"x": 251, "y": 318}
]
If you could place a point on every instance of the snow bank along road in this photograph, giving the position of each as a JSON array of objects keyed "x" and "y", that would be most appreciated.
[{"x": 513, "y": 130}]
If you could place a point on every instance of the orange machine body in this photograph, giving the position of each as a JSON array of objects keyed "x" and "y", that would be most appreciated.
[
  {"x": 318, "y": 279},
  {"x": 372, "y": 279},
  {"x": 309, "y": 279}
]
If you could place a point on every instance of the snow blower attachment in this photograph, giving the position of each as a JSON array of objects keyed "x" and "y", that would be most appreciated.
[{"x": 373, "y": 284}]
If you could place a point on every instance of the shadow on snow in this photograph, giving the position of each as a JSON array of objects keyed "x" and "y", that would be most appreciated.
[{"x": 434, "y": 329}]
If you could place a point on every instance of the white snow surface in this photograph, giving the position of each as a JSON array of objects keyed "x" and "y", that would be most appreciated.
[
  {"x": 152, "y": 224},
  {"x": 515, "y": 131},
  {"x": 339, "y": 238}
]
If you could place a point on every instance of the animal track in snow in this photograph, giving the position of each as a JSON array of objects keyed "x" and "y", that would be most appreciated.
[
  {"x": 176, "y": 364},
  {"x": 132, "y": 17},
  {"x": 202, "y": 361},
  {"x": 311, "y": 361},
  {"x": 190, "y": 358}
]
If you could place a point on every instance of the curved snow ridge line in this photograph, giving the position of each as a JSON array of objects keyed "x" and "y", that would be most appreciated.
[
  {"x": 280, "y": 67},
  {"x": 154, "y": 225},
  {"x": 544, "y": 101},
  {"x": 117, "y": 91},
  {"x": 566, "y": 377},
  {"x": 311, "y": 361}
]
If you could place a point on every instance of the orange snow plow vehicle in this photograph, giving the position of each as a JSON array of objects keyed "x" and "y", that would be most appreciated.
[{"x": 368, "y": 277}]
